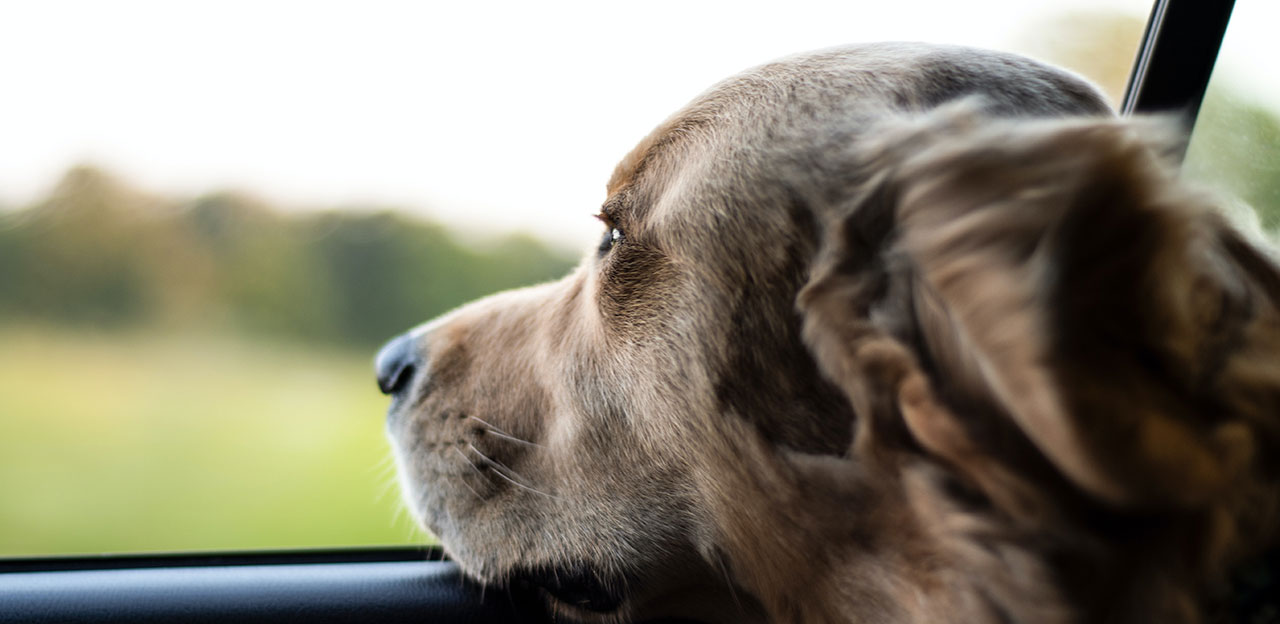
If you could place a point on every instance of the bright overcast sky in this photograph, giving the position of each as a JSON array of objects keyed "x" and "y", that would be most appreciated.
[{"x": 499, "y": 116}]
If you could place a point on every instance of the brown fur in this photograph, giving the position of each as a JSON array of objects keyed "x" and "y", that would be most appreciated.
[{"x": 865, "y": 354}]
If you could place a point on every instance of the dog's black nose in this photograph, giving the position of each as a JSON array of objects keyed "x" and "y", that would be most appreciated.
[{"x": 396, "y": 363}]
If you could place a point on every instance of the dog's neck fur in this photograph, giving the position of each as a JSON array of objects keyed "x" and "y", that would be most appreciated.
[{"x": 897, "y": 540}]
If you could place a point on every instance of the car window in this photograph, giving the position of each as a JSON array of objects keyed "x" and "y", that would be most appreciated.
[{"x": 211, "y": 213}]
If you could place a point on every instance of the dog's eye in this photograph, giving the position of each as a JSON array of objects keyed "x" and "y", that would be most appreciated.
[
  {"x": 611, "y": 238},
  {"x": 612, "y": 235}
]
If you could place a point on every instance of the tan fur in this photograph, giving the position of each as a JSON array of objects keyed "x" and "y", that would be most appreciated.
[{"x": 894, "y": 333}]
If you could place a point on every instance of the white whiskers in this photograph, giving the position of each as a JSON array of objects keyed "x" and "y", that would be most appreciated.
[
  {"x": 467, "y": 461},
  {"x": 502, "y": 470},
  {"x": 502, "y": 434}
]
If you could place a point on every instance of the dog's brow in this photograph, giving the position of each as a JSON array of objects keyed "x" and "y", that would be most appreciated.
[
  {"x": 614, "y": 207},
  {"x": 627, "y": 170},
  {"x": 662, "y": 137}
]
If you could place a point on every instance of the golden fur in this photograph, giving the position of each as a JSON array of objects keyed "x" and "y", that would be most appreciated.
[{"x": 890, "y": 333}]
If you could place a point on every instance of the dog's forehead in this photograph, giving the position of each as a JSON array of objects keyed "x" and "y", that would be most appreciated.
[
  {"x": 791, "y": 83},
  {"x": 830, "y": 90},
  {"x": 721, "y": 105}
]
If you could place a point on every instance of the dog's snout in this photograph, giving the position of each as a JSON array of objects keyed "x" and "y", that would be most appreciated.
[{"x": 396, "y": 363}]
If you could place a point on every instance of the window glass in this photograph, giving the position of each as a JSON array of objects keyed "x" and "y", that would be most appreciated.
[
  {"x": 1235, "y": 146},
  {"x": 212, "y": 213}
]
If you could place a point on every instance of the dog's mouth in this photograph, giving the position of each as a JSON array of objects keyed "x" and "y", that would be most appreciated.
[{"x": 579, "y": 587}]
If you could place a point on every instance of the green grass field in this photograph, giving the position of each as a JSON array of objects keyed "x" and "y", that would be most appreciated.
[{"x": 158, "y": 442}]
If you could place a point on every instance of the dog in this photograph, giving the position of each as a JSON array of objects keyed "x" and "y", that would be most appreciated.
[{"x": 885, "y": 333}]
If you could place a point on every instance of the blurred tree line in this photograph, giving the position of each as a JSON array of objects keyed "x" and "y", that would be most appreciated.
[{"x": 96, "y": 252}]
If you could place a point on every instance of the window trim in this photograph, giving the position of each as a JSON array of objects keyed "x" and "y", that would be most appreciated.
[
  {"x": 366, "y": 585},
  {"x": 135, "y": 561},
  {"x": 1176, "y": 57}
]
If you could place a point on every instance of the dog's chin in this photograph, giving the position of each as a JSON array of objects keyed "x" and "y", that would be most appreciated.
[{"x": 577, "y": 591}]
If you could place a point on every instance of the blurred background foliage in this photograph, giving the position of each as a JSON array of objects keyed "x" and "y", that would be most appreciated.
[
  {"x": 195, "y": 373},
  {"x": 98, "y": 253},
  {"x": 1236, "y": 150}
]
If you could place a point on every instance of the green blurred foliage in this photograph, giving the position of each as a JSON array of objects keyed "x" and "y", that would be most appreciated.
[
  {"x": 1236, "y": 149},
  {"x": 191, "y": 375},
  {"x": 125, "y": 441},
  {"x": 98, "y": 253}
]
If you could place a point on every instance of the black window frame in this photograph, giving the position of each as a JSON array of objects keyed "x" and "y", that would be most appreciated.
[
  {"x": 1176, "y": 58},
  {"x": 1170, "y": 74}
]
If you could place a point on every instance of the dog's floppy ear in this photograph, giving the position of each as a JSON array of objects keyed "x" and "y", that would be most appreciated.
[{"x": 1045, "y": 297}]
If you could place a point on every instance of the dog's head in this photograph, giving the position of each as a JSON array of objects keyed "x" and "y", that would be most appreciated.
[{"x": 659, "y": 433}]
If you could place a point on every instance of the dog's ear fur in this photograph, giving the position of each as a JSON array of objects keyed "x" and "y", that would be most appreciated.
[{"x": 1045, "y": 310}]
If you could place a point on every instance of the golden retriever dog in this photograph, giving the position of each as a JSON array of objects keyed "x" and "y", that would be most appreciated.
[{"x": 887, "y": 333}]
